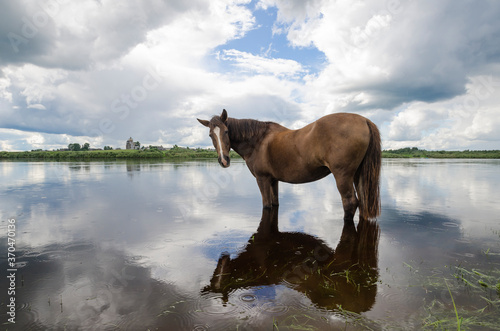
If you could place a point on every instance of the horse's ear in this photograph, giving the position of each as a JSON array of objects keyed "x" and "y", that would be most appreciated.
[
  {"x": 204, "y": 122},
  {"x": 223, "y": 116}
]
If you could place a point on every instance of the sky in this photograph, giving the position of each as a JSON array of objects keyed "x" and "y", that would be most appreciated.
[{"x": 426, "y": 72}]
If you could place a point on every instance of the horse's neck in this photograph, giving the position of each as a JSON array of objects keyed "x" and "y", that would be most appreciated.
[{"x": 245, "y": 140}]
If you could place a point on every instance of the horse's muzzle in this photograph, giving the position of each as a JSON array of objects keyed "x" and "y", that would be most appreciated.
[{"x": 224, "y": 161}]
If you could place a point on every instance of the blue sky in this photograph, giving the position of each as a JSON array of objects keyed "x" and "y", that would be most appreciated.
[
  {"x": 427, "y": 73},
  {"x": 268, "y": 39}
]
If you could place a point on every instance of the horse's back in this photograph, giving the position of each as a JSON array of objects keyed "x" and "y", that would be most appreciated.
[{"x": 345, "y": 124}]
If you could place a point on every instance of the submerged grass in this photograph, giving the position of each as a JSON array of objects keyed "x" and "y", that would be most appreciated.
[
  {"x": 440, "y": 317},
  {"x": 476, "y": 279},
  {"x": 460, "y": 299},
  {"x": 296, "y": 322},
  {"x": 459, "y": 319},
  {"x": 477, "y": 288}
]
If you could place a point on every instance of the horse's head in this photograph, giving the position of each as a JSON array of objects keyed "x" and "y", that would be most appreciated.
[{"x": 220, "y": 136}]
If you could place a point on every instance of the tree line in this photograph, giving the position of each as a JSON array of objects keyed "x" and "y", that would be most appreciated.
[
  {"x": 414, "y": 152},
  {"x": 75, "y": 147}
]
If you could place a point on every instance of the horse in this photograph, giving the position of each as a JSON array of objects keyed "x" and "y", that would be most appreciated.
[{"x": 343, "y": 144}]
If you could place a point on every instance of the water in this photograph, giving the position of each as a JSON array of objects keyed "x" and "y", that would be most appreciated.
[{"x": 181, "y": 246}]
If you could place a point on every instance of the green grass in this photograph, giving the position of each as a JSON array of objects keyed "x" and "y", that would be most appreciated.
[
  {"x": 422, "y": 153},
  {"x": 479, "y": 298},
  {"x": 459, "y": 319},
  {"x": 174, "y": 153}
]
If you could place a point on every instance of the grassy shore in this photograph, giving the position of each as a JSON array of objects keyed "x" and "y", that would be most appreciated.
[
  {"x": 189, "y": 153},
  {"x": 422, "y": 153},
  {"x": 174, "y": 153}
]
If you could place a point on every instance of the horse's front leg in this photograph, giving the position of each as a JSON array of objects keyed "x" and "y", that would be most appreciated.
[{"x": 265, "y": 186}]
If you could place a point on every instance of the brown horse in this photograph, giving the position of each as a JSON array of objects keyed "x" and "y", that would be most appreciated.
[{"x": 346, "y": 145}]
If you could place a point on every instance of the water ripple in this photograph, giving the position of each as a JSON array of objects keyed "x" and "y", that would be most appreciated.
[
  {"x": 247, "y": 297},
  {"x": 275, "y": 308},
  {"x": 213, "y": 304}
]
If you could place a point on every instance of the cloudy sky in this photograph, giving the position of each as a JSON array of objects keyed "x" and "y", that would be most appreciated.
[{"x": 426, "y": 72}]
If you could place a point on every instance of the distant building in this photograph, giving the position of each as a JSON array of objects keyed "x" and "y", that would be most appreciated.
[{"x": 131, "y": 144}]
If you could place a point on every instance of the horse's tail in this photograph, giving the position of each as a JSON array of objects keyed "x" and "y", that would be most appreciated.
[{"x": 368, "y": 176}]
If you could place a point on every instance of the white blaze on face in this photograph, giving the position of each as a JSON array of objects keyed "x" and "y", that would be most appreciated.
[{"x": 217, "y": 134}]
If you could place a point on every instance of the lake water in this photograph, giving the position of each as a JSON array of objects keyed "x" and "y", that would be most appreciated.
[{"x": 181, "y": 246}]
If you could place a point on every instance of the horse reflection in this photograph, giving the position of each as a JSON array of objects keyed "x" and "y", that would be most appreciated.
[{"x": 345, "y": 277}]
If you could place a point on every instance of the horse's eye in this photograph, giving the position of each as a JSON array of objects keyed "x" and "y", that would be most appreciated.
[{"x": 226, "y": 132}]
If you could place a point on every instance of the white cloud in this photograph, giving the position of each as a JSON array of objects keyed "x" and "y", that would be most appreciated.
[
  {"x": 37, "y": 106},
  {"x": 262, "y": 65},
  {"x": 17, "y": 140},
  {"x": 5, "y": 94},
  {"x": 412, "y": 123},
  {"x": 466, "y": 120},
  {"x": 36, "y": 140},
  {"x": 396, "y": 52},
  {"x": 295, "y": 10}
]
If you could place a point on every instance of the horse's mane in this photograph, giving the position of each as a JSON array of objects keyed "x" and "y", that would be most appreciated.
[{"x": 245, "y": 129}]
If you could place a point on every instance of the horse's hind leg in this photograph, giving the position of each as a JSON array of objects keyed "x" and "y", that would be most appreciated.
[
  {"x": 345, "y": 186},
  {"x": 274, "y": 192},
  {"x": 359, "y": 190}
]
